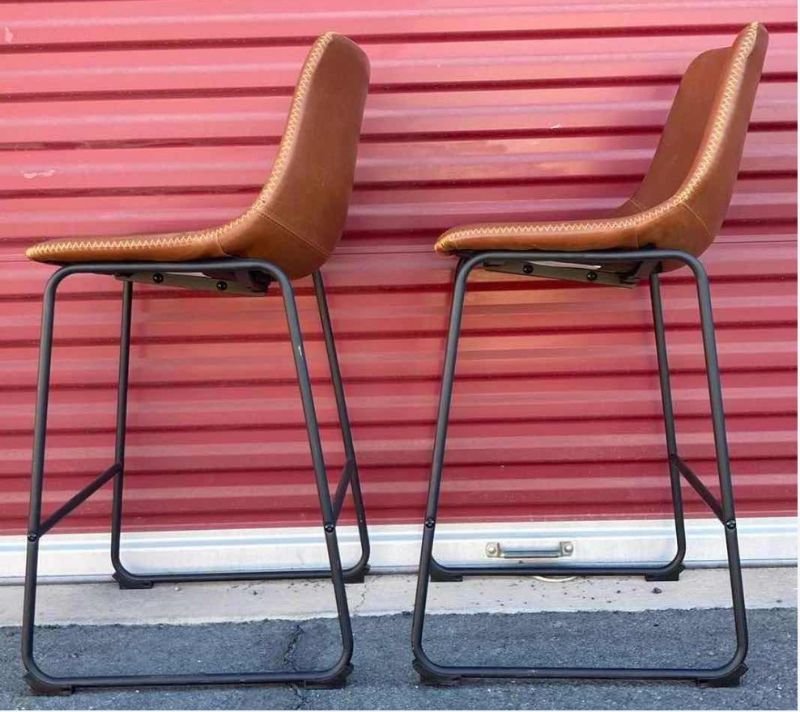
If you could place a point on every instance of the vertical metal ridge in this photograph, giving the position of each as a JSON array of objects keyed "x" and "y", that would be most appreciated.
[{"x": 481, "y": 112}]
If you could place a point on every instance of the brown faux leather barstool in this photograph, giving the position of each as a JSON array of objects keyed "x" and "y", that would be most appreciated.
[
  {"x": 669, "y": 222},
  {"x": 288, "y": 232}
]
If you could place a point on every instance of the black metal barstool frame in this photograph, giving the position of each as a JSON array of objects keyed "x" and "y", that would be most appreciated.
[
  {"x": 646, "y": 265},
  {"x": 222, "y": 276}
]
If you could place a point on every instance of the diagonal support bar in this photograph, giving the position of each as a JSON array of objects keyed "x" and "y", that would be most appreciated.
[
  {"x": 341, "y": 489},
  {"x": 699, "y": 487},
  {"x": 77, "y": 500}
]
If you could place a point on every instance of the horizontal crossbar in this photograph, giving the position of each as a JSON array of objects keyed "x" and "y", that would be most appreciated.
[
  {"x": 341, "y": 489},
  {"x": 78, "y": 499},
  {"x": 699, "y": 487}
]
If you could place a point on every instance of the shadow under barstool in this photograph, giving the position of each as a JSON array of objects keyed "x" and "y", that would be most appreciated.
[
  {"x": 672, "y": 218},
  {"x": 289, "y": 232}
]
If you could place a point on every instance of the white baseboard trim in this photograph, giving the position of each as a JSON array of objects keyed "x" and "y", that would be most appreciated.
[{"x": 395, "y": 548}]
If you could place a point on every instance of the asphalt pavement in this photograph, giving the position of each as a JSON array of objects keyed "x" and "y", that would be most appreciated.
[{"x": 383, "y": 677}]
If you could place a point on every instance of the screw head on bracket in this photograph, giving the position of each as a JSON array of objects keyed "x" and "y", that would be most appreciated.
[
  {"x": 158, "y": 278},
  {"x": 591, "y": 276},
  {"x": 730, "y": 524},
  {"x": 527, "y": 269},
  {"x": 222, "y": 285},
  {"x": 429, "y": 522}
]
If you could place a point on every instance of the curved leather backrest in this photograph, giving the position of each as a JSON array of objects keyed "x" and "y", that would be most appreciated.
[
  {"x": 689, "y": 184},
  {"x": 297, "y": 219}
]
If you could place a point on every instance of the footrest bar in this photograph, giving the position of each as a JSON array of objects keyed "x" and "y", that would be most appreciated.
[
  {"x": 454, "y": 573},
  {"x": 725, "y": 676},
  {"x": 78, "y": 499},
  {"x": 273, "y": 575},
  {"x": 68, "y": 684},
  {"x": 698, "y": 486}
]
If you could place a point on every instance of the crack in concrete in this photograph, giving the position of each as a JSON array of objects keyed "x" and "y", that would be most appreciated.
[
  {"x": 288, "y": 660},
  {"x": 362, "y": 598}
]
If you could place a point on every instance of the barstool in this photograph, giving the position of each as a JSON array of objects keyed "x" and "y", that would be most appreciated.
[
  {"x": 672, "y": 218},
  {"x": 289, "y": 232}
]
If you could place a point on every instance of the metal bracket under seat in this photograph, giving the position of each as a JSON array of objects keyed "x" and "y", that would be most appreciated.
[
  {"x": 628, "y": 277},
  {"x": 239, "y": 282}
]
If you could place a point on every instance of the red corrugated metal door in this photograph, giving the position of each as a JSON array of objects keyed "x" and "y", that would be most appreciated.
[{"x": 146, "y": 116}]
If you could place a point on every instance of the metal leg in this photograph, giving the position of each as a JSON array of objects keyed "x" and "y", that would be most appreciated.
[
  {"x": 736, "y": 667},
  {"x": 355, "y": 573},
  {"x": 421, "y": 662},
  {"x": 669, "y": 571},
  {"x": 43, "y": 683},
  {"x": 130, "y": 580},
  {"x": 124, "y": 577},
  {"x": 672, "y": 570},
  {"x": 342, "y": 668},
  {"x": 39, "y": 681},
  {"x": 728, "y": 674}
]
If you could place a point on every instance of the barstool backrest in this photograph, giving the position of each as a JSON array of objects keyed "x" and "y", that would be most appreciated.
[
  {"x": 298, "y": 217},
  {"x": 688, "y": 187}
]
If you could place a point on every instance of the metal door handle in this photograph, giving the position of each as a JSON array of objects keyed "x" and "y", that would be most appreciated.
[{"x": 495, "y": 550}]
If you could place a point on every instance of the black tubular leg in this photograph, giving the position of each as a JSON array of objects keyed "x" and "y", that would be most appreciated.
[
  {"x": 666, "y": 572},
  {"x": 355, "y": 573},
  {"x": 36, "y": 679},
  {"x": 737, "y": 666},
  {"x": 130, "y": 580},
  {"x": 434, "y": 486},
  {"x": 122, "y": 576},
  {"x": 342, "y": 668},
  {"x": 728, "y": 674},
  {"x": 43, "y": 683},
  {"x": 672, "y": 570}
]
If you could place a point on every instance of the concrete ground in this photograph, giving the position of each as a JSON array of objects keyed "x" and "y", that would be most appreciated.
[{"x": 653, "y": 633}]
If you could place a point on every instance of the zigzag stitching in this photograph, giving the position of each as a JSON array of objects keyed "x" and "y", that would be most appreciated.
[
  {"x": 704, "y": 164},
  {"x": 52, "y": 249}
]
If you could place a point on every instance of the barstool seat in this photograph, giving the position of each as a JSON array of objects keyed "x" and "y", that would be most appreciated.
[
  {"x": 567, "y": 235},
  {"x": 159, "y": 247},
  {"x": 254, "y": 234},
  {"x": 297, "y": 218},
  {"x": 682, "y": 200}
]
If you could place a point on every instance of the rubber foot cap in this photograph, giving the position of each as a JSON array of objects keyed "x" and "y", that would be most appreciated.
[
  {"x": 357, "y": 576},
  {"x": 336, "y": 683},
  {"x": 440, "y": 575},
  {"x": 426, "y": 677},
  {"x": 671, "y": 576},
  {"x": 38, "y": 687},
  {"x": 732, "y": 679},
  {"x": 131, "y": 583}
]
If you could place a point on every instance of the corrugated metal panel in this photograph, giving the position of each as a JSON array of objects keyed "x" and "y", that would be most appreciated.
[{"x": 144, "y": 116}]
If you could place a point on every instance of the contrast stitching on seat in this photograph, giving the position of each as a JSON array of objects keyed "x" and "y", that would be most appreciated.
[
  {"x": 55, "y": 248},
  {"x": 289, "y": 135},
  {"x": 297, "y": 237},
  {"x": 295, "y": 112},
  {"x": 722, "y": 118},
  {"x": 698, "y": 218}
]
